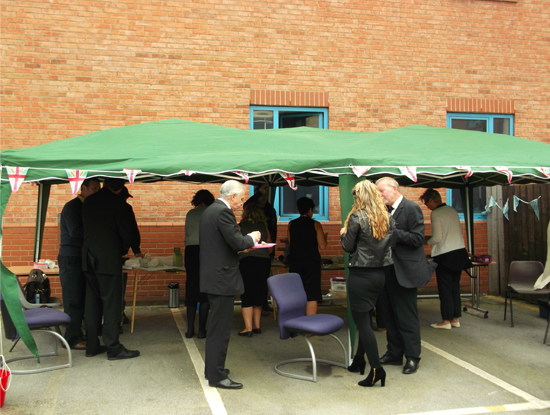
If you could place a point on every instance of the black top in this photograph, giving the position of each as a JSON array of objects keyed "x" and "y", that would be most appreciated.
[
  {"x": 71, "y": 229},
  {"x": 303, "y": 240}
]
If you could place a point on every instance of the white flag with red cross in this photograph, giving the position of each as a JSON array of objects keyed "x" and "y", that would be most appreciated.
[
  {"x": 360, "y": 170},
  {"x": 131, "y": 173},
  {"x": 76, "y": 177},
  {"x": 16, "y": 175},
  {"x": 290, "y": 179},
  {"x": 409, "y": 171}
]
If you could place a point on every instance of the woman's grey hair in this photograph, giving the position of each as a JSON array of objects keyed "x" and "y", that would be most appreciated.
[{"x": 231, "y": 187}]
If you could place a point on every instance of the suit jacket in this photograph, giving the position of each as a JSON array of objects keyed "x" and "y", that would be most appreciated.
[
  {"x": 220, "y": 239},
  {"x": 108, "y": 232},
  {"x": 411, "y": 267}
]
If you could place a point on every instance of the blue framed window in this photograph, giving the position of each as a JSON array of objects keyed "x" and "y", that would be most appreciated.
[
  {"x": 266, "y": 117},
  {"x": 488, "y": 123}
]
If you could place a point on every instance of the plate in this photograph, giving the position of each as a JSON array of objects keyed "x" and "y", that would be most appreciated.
[{"x": 260, "y": 246}]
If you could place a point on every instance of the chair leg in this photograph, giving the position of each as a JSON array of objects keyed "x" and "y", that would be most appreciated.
[
  {"x": 511, "y": 311},
  {"x": 505, "y": 302},
  {"x": 547, "y": 325}
]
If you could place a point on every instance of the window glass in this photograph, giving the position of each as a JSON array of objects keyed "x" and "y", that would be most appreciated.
[
  {"x": 489, "y": 123},
  {"x": 291, "y": 117}
]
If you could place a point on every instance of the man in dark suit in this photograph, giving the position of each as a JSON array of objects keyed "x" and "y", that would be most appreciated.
[
  {"x": 220, "y": 240},
  {"x": 108, "y": 233},
  {"x": 398, "y": 300}
]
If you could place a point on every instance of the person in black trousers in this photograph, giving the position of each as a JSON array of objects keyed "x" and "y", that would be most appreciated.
[
  {"x": 201, "y": 200},
  {"x": 108, "y": 234},
  {"x": 410, "y": 270},
  {"x": 220, "y": 240},
  {"x": 71, "y": 276},
  {"x": 368, "y": 236}
]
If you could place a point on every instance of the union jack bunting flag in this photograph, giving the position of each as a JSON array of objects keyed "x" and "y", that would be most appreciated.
[
  {"x": 290, "y": 179},
  {"x": 409, "y": 171},
  {"x": 467, "y": 168},
  {"x": 76, "y": 177},
  {"x": 544, "y": 170},
  {"x": 506, "y": 171},
  {"x": 16, "y": 176},
  {"x": 360, "y": 170},
  {"x": 243, "y": 174},
  {"x": 131, "y": 173}
]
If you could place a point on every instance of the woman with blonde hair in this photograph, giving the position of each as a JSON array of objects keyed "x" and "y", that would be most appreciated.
[{"x": 368, "y": 235}]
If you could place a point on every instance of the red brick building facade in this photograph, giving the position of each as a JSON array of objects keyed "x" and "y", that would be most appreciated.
[{"x": 78, "y": 66}]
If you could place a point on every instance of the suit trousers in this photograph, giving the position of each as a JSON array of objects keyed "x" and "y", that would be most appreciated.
[
  {"x": 217, "y": 336},
  {"x": 103, "y": 300},
  {"x": 73, "y": 285},
  {"x": 448, "y": 286},
  {"x": 399, "y": 305}
]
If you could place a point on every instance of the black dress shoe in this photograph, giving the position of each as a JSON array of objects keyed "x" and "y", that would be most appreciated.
[
  {"x": 101, "y": 349},
  {"x": 124, "y": 354},
  {"x": 189, "y": 334},
  {"x": 388, "y": 360},
  {"x": 410, "y": 367},
  {"x": 226, "y": 384},
  {"x": 257, "y": 331},
  {"x": 245, "y": 333},
  {"x": 201, "y": 334}
]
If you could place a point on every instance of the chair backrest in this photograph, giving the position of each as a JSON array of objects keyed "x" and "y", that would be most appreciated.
[
  {"x": 9, "y": 328},
  {"x": 290, "y": 296},
  {"x": 525, "y": 272}
]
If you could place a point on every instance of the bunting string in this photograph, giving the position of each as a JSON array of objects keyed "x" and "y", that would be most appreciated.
[{"x": 516, "y": 200}]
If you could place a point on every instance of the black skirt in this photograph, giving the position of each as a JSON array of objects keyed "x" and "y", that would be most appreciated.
[
  {"x": 193, "y": 293},
  {"x": 364, "y": 287}
]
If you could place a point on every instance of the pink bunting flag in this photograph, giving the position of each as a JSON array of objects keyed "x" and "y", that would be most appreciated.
[
  {"x": 243, "y": 174},
  {"x": 131, "y": 173},
  {"x": 410, "y": 172},
  {"x": 188, "y": 172},
  {"x": 544, "y": 170},
  {"x": 506, "y": 171},
  {"x": 16, "y": 175},
  {"x": 467, "y": 168},
  {"x": 76, "y": 177},
  {"x": 290, "y": 179},
  {"x": 360, "y": 170}
]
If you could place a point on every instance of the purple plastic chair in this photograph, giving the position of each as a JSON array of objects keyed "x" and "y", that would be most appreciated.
[
  {"x": 290, "y": 297},
  {"x": 38, "y": 319}
]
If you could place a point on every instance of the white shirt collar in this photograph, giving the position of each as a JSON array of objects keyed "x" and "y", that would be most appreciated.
[
  {"x": 227, "y": 204},
  {"x": 396, "y": 204}
]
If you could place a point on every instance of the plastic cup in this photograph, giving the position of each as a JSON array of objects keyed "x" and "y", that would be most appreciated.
[{"x": 4, "y": 377}]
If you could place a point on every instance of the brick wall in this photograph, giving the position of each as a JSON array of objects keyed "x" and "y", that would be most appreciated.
[{"x": 71, "y": 67}]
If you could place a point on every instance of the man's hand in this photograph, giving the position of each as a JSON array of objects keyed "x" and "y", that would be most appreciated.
[{"x": 256, "y": 235}]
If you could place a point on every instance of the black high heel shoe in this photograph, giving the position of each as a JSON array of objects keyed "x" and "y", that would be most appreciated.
[
  {"x": 358, "y": 365},
  {"x": 374, "y": 376},
  {"x": 245, "y": 333}
]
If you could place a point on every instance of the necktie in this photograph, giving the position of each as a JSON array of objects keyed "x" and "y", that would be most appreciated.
[{"x": 390, "y": 209}]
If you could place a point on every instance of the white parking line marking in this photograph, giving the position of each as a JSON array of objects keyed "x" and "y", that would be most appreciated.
[
  {"x": 212, "y": 396},
  {"x": 532, "y": 402}
]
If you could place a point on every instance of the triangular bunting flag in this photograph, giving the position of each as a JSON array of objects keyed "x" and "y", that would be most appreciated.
[
  {"x": 544, "y": 170},
  {"x": 516, "y": 203},
  {"x": 290, "y": 179},
  {"x": 360, "y": 170},
  {"x": 243, "y": 174},
  {"x": 76, "y": 177},
  {"x": 467, "y": 168},
  {"x": 187, "y": 172},
  {"x": 506, "y": 171},
  {"x": 131, "y": 173},
  {"x": 16, "y": 176},
  {"x": 410, "y": 172},
  {"x": 505, "y": 210},
  {"x": 535, "y": 205}
]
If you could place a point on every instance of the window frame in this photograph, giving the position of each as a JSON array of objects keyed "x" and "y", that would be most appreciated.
[
  {"x": 323, "y": 215},
  {"x": 490, "y": 129}
]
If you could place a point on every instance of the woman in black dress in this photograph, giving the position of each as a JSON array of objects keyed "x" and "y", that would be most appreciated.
[
  {"x": 193, "y": 296},
  {"x": 305, "y": 236},
  {"x": 368, "y": 236}
]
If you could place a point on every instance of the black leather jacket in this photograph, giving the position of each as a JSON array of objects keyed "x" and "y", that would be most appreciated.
[{"x": 365, "y": 250}]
